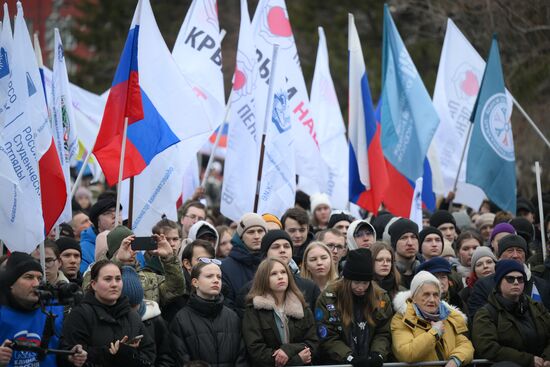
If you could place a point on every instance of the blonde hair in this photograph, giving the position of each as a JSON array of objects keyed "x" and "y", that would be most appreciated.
[
  {"x": 260, "y": 284},
  {"x": 304, "y": 271}
]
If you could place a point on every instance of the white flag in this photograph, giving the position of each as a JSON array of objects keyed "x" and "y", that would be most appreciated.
[
  {"x": 278, "y": 184},
  {"x": 416, "y": 204},
  {"x": 456, "y": 88},
  {"x": 63, "y": 120},
  {"x": 244, "y": 133},
  {"x": 331, "y": 132},
  {"x": 272, "y": 26}
]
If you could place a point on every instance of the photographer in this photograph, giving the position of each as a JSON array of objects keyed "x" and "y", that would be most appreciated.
[{"x": 23, "y": 327}]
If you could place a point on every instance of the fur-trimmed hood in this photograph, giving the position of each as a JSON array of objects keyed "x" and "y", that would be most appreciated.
[
  {"x": 402, "y": 300},
  {"x": 152, "y": 309},
  {"x": 293, "y": 307}
]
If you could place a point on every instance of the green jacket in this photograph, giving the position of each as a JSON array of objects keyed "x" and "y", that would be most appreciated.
[
  {"x": 496, "y": 334},
  {"x": 261, "y": 335},
  {"x": 335, "y": 338},
  {"x": 159, "y": 288}
]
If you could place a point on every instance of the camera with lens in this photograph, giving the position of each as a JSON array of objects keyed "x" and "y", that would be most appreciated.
[{"x": 60, "y": 294}]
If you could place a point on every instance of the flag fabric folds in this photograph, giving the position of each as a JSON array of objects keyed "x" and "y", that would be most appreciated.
[
  {"x": 63, "y": 120},
  {"x": 331, "y": 132},
  {"x": 409, "y": 120},
  {"x": 368, "y": 179},
  {"x": 148, "y": 89},
  {"x": 244, "y": 128},
  {"x": 491, "y": 158}
]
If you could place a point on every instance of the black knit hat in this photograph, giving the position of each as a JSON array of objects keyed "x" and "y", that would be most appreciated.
[
  {"x": 358, "y": 265},
  {"x": 99, "y": 208},
  {"x": 400, "y": 227},
  {"x": 18, "y": 264},
  {"x": 379, "y": 223},
  {"x": 67, "y": 243},
  {"x": 512, "y": 240},
  {"x": 272, "y": 236},
  {"x": 337, "y": 217},
  {"x": 441, "y": 217},
  {"x": 524, "y": 228},
  {"x": 504, "y": 267},
  {"x": 427, "y": 231}
]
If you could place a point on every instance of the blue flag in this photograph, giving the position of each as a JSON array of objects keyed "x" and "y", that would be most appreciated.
[
  {"x": 409, "y": 119},
  {"x": 491, "y": 159}
]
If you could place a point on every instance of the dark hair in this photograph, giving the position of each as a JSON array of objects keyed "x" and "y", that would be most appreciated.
[
  {"x": 52, "y": 245},
  {"x": 502, "y": 217},
  {"x": 320, "y": 236},
  {"x": 182, "y": 211},
  {"x": 187, "y": 253},
  {"x": 197, "y": 270},
  {"x": 165, "y": 225},
  {"x": 466, "y": 235},
  {"x": 344, "y": 301},
  {"x": 298, "y": 214},
  {"x": 96, "y": 268}
]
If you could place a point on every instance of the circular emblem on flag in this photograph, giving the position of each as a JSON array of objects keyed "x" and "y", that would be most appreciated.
[{"x": 496, "y": 127}]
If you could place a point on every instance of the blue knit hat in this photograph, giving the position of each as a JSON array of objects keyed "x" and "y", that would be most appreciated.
[
  {"x": 131, "y": 286},
  {"x": 505, "y": 267},
  {"x": 435, "y": 265}
]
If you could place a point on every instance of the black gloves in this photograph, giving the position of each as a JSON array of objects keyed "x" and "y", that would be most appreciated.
[{"x": 372, "y": 360}]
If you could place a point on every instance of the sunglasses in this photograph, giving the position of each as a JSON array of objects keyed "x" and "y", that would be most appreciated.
[
  {"x": 512, "y": 279},
  {"x": 209, "y": 261}
]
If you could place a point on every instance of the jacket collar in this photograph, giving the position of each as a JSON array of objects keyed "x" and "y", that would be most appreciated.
[
  {"x": 402, "y": 304},
  {"x": 152, "y": 309},
  {"x": 292, "y": 307}
]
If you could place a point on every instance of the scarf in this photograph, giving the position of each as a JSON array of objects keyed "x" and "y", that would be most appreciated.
[{"x": 441, "y": 314}]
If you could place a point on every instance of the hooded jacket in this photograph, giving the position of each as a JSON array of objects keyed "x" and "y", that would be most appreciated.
[
  {"x": 352, "y": 245},
  {"x": 237, "y": 269},
  {"x": 414, "y": 339},
  {"x": 497, "y": 334},
  {"x": 157, "y": 329},
  {"x": 261, "y": 335},
  {"x": 95, "y": 326},
  {"x": 87, "y": 245},
  {"x": 209, "y": 331},
  {"x": 195, "y": 228}
]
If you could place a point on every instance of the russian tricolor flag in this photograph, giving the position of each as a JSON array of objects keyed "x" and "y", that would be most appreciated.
[
  {"x": 148, "y": 132},
  {"x": 368, "y": 178}
]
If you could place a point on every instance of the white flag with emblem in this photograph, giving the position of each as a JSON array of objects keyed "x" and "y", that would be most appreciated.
[{"x": 416, "y": 204}]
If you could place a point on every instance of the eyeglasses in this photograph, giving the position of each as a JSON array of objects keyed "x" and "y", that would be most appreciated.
[
  {"x": 209, "y": 261},
  {"x": 49, "y": 261},
  {"x": 194, "y": 217},
  {"x": 510, "y": 279},
  {"x": 334, "y": 246},
  {"x": 362, "y": 233}
]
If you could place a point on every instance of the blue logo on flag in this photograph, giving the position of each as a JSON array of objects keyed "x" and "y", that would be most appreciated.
[
  {"x": 496, "y": 127},
  {"x": 30, "y": 85},
  {"x": 280, "y": 116},
  {"x": 4, "y": 65}
]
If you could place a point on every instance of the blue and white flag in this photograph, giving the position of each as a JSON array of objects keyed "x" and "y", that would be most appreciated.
[
  {"x": 491, "y": 158},
  {"x": 409, "y": 119},
  {"x": 278, "y": 185}
]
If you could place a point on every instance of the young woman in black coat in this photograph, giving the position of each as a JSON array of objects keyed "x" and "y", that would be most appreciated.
[
  {"x": 105, "y": 325},
  {"x": 205, "y": 329}
]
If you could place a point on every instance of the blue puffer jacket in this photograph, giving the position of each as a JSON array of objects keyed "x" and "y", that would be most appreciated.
[
  {"x": 87, "y": 243},
  {"x": 237, "y": 270}
]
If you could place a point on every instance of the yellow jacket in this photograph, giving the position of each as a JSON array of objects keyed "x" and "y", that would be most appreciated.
[{"x": 414, "y": 339}]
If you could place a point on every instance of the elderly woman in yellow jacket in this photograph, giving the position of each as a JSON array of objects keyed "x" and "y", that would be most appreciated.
[{"x": 424, "y": 328}]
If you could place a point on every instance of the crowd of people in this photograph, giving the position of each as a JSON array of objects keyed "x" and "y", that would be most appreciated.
[{"x": 316, "y": 286}]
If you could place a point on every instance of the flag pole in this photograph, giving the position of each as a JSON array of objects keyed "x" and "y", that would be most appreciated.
[
  {"x": 216, "y": 142},
  {"x": 131, "y": 202},
  {"x": 537, "y": 130},
  {"x": 541, "y": 212},
  {"x": 120, "y": 170},
  {"x": 462, "y": 157},
  {"x": 82, "y": 169},
  {"x": 268, "y": 113}
]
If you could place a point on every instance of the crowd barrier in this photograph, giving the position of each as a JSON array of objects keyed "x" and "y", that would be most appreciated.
[{"x": 475, "y": 362}]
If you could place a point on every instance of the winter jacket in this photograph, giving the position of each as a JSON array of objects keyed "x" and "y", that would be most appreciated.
[
  {"x": 414, "y": 339},
  {"x": 95, "y": 326},
  {"x": 261, "y": 335},
  {"x": 237, "y": 269},
  {"x": 310, "y": 291},
  {"x": 484, "y": 287},
  {"x": 497, "y": 332},
  {"x": 209, "y": 331},
  {"x": 87, "y": 244},
  {"x": 336, "y": 340},
  {"x": 158, "y": 330}
]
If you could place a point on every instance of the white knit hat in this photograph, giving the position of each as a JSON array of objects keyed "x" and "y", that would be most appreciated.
[
  {"x": 319, "y": 199},
  {"x": 421, "y": 278}
]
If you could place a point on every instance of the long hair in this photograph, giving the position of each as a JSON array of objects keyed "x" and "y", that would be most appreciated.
[
  {"x": 466, "y": 235},
  {"x": 375, "y": 250},
  {"x": 304, "y": 271},
  {"x": 260, "y": 284},
  {"x": 344, "y": 301}
]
